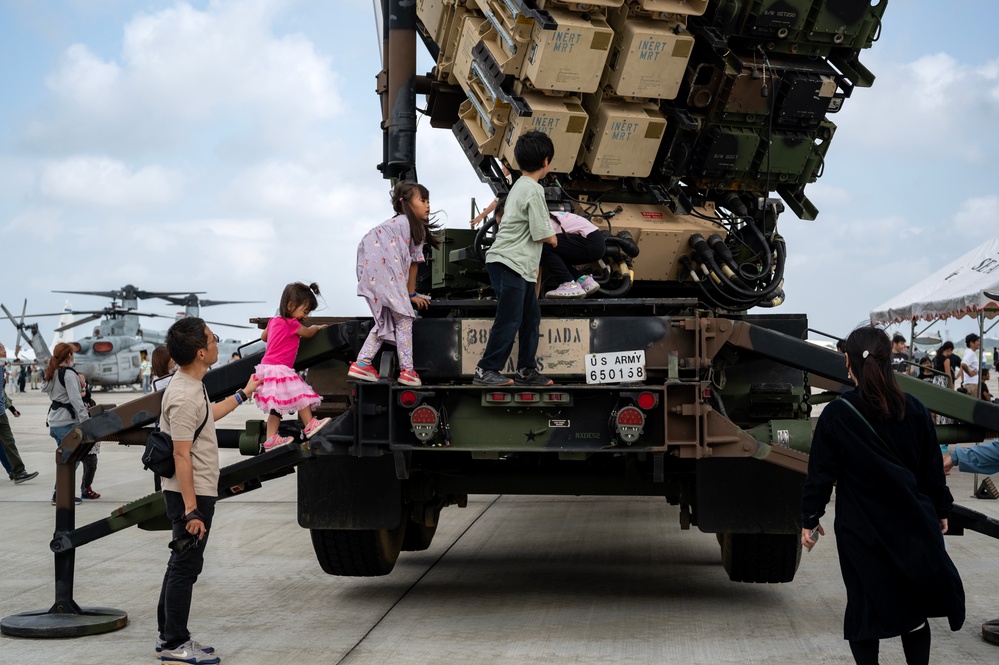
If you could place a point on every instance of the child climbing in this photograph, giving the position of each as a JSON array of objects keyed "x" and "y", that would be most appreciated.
[
  {"x": 282, "y": 390},
  {"x": 387, "y": 261}
]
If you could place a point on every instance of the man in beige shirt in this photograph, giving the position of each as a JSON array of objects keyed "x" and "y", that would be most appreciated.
[{"x": 191, "y": 493}]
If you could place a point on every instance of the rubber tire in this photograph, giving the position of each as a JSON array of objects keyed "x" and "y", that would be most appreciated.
[
  {"x": 358, "y": 553},
  {"x": 418, "y": 537},
  {"x": 761, "y": 558}
]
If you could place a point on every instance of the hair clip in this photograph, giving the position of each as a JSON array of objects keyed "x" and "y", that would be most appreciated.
[{"x": 866, "y": 353}]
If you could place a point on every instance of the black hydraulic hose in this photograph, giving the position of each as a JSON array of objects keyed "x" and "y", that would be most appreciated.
[
  {"x": 714, "y": 300},
  {"x": 480, "y": 238},
  {"x": 726, "y": 283},
  {"x": 731, "y": 201},
  {"x": 626, "y": 241},
  {"x": 626, "y": 280},
  {"x": 765, "y": 249},
  {"x": 716, "y": 243},
  {"x": 728, "y": 289}
]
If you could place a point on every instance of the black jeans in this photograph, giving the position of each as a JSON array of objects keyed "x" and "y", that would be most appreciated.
[
  {"x": 89, "y": 470},
  {"x": 182, "y": 572},
  {"x": 573, "y": 250},
  {"x": 517, "y": 313}
]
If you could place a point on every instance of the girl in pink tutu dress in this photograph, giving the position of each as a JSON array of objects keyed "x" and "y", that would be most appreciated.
[
  {"x": 387, "y": 261},
  {"x": 282, "y": 390}
]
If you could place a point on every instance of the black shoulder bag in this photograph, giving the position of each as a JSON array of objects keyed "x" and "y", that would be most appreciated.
[{"x": 158, "y": 455}]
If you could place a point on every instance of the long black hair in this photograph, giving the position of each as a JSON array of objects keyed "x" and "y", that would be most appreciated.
[
  {"x": 420, "y": 230},
  {"x": 869, "y": 351},
  {"x": 938, "y": 361}
]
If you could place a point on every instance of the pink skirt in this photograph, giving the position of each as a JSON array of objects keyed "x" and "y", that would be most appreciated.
[{"x": 283, "y": 390}]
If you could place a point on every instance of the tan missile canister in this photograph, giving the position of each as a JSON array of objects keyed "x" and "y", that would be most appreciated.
[
  {"x": 562, "y": 118},
  {"x": 570, "y": 58},
  {"x": 648, "y": 58},
  {"x": 623, "y": 138}
]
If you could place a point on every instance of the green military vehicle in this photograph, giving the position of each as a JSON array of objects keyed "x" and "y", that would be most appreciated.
[{"x": 673, "y": 121}]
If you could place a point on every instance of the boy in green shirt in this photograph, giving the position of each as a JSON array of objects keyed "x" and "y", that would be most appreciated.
[{"x": 512, "y": 263}]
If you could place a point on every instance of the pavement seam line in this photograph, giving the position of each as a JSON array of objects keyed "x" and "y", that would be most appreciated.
[{"x": 417, "y": 581}]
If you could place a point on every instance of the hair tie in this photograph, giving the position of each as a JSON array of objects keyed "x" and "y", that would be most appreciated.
[{"x": 866, "y": 353}]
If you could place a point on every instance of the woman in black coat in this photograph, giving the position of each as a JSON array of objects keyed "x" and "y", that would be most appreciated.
[{"x": 892, "y": 505}]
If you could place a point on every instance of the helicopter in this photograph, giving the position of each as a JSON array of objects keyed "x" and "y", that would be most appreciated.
[{"x": 112, "y": 355}]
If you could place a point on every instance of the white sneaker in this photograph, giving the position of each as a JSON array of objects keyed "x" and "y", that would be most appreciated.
[
  {"x": 567, "y": 290},
  {"x": 188, "y": 654},
  {"x": 589, "y": 284},
  {"x": 197, "y": 645}
]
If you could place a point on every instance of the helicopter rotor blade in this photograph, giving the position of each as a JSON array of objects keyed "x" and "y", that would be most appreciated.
[
  {"x": 19, "y": 328},
  {"x": 229, "y": 325},
  {"x": 210, "y": 303},
  {"x": 73, "y": 324}
]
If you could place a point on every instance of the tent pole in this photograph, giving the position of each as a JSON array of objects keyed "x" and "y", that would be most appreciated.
[{"x": 912, "y": 339}]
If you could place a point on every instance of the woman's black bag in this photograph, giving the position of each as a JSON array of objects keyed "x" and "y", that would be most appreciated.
[{"x": 158, "y": 456}]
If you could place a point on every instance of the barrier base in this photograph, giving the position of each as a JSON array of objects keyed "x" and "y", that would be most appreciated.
[
  {"x": 990, "y": 631},
  {"x": 46, "y": 623}
]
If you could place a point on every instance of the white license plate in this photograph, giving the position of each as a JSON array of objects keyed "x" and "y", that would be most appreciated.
[{"x": 616, "y": 367}]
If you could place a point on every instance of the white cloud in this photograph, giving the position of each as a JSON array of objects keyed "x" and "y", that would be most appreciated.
[
  {"x": 977, "y": 217},
  {"x": 182, "y": 68},
  {"x": 932, "y": 108},
  {"x": 108, "y": 183}
]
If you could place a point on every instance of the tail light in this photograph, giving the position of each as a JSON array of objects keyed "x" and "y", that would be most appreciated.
[
  {"x": 408, "y": 399},
  {"x": 630, "y": 424},
  {"x": 424, "y": 420}
]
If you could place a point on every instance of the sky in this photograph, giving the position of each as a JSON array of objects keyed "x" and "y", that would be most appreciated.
[{"x": 230, "y": 147}]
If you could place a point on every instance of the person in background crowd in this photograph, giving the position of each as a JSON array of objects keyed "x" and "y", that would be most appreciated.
[
  {"x": 145, "y": 372},
  {"x": 11, "y": 458},
  {"x": 925, "y": 369},
  {"x": 943, "y": 363},
  {"x": 163, "y": 367},
  {"x": 900, "y": 354},
  {"x": 969, "y": 364},
  {"x": 63, "y": 387}
]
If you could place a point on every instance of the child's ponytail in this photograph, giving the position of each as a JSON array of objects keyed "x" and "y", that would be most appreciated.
[
  {"x": 297, "y": 293},
  {"x": 421, "y": 231}
]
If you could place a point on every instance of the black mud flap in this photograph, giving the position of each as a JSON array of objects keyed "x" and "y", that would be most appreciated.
[
  {"x": 744, "y": 495},
  {"x": 345, "y": 492}
]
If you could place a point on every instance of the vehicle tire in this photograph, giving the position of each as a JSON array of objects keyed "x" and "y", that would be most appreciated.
[
  {"x": 358, "y": 553},
  {"x": 418, "y": 537},
  {"x": 761, "y": 558}
]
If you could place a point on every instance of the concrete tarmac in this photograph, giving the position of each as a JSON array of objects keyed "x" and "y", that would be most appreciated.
[{"x": 507, "y": 580}]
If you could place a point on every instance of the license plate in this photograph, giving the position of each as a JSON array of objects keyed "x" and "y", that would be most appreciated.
[{"x": 616, "y": 367}]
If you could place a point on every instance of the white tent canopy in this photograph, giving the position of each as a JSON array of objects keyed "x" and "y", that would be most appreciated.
[{"x": 957, "y": 290}]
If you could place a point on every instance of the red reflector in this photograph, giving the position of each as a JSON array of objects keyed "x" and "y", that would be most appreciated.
[
  {"x": 646, "y": 401},
  {"x": 103, "y": 347},
  {"x": 707, "y": 392},
  {"x": 630, "y": 416},
  {"x": 528, "y": 397},
  {"x": 556, "y": 397},
  {"x": 407, "y": 398},
  {"x": 424, "y": 415}
]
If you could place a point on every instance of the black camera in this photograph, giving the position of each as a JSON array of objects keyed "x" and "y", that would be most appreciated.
[{"x": 184, "y": 543}]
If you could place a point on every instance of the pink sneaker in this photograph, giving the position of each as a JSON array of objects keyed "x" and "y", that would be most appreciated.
[
  {"x": 362, "y": 372},
  {"x": 275, "y": 441},
  {"x": 589, "y": 284},
  {"x": 314, "y": 426},
  {"x": 408, "y": 377},
  {"x": 567, "y": 290}
]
